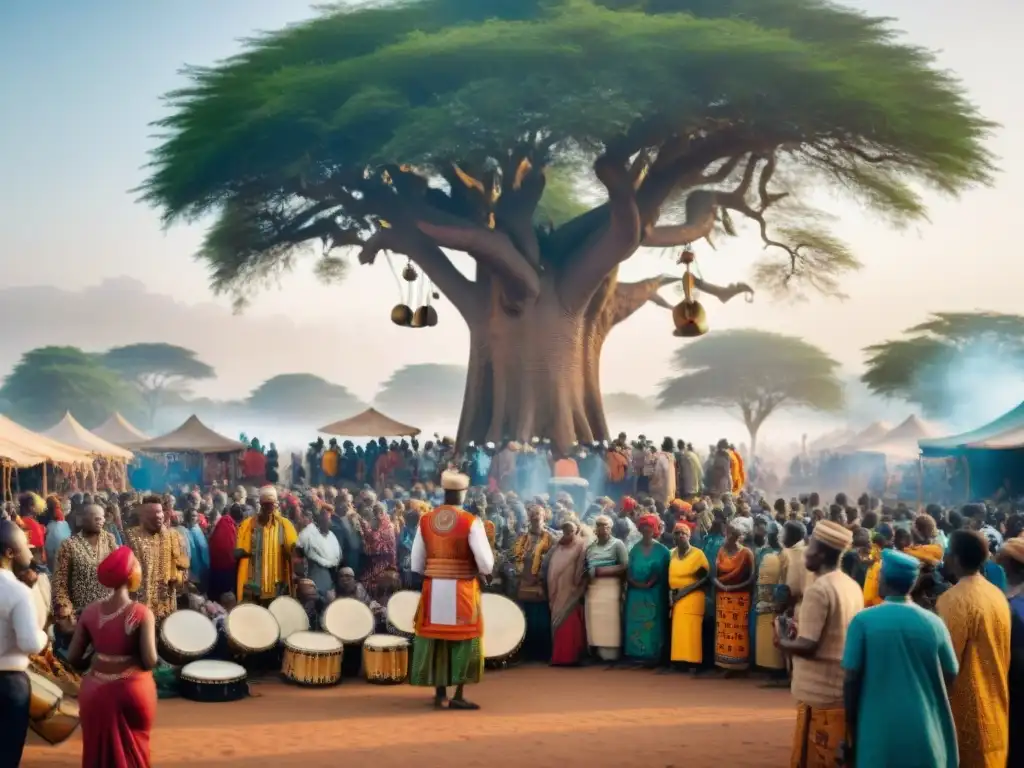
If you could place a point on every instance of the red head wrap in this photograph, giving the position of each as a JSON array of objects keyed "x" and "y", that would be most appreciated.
[
  {"x": 116, "y": 569},
  {"x": 681, "y": 526},
  {"x": 628, "y": 503},
  {"x": 652, "y": 520},
  {"x": 679, "y": 506}
]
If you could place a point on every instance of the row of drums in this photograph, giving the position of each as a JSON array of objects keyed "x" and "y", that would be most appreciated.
[{"x": 282, "y": 633}]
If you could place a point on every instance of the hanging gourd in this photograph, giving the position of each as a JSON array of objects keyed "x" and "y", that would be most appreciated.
[
  {"x": 688, "y": 315},
  {"x": 425, "y": 315},
  {"x": 401, "y": 314}
]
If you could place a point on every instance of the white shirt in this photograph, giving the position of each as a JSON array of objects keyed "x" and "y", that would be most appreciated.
[
  {"x": 478, "y": 544},
  {"x": 323, "y": 550},
  {"x": 20, "y": 636}
]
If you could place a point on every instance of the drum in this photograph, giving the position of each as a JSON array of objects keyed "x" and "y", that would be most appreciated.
[
  {"x": 312, "y": 658},
  {"x": 213, "y": 681},
  {"x": 291, "y": 616},
  {"x": 252, "y": 629},
  {"x": 504, "y": 629},
  {"x": 186, "y": 636},
  {"x": 348, "y": 620},
  {"x": 401, "y": 612},
  {"x": 52, "y": 715},
  {"x": 386, "y": 659}
]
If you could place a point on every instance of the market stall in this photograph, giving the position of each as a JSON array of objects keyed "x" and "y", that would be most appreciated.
[
  {"x": 191, "y": 454},
  {"x": 49, "y": 463},
  {"x": 370, "y": 423}
]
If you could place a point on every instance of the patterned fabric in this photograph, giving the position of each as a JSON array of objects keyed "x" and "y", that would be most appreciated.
[
  {"x": 818, "y": 735},
  {"x": 75, "y": 585},
  {"x": 647, "y": 607},
  {"x": 381, "y": 548},
  {"x": 267, "y": 572},
  {"x": 977, "y": 615},
  {"x": 163, "y": 564},
  {"x": 444, "y": 663},
  {"x": 732, "y": 609}
]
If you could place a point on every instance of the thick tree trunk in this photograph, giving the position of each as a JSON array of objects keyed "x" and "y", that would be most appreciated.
[{"x": 532, "y": 375}]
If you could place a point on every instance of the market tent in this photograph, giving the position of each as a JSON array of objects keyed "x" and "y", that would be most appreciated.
[
  {"x": 25, "y": 448},
  {"x": 831, "y": 440},
  {"x": 70, "y": 432},
  {"x": 1010, "y": 440},
  {"x": 119, "y": 431},
  {"x": 370, "y": 423},
  {"x": 870, "y": 434},
  {"x": 1010, "y": 422},
  {"x": 192, "y": 436},
  {"x": 902, "y": 441}
]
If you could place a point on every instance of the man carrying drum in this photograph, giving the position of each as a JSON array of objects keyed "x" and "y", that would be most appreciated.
[{"x": 451, "y": 551}]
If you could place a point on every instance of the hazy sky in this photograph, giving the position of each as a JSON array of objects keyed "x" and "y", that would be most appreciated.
[{"x": 83, "y": 80}]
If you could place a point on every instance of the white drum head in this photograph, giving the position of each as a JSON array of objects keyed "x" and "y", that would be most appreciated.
[
  {"x": 504, "y": 625},
  {"x": 45, "y": 688},
  {"x": 349, "y": 620},
  {"x": 189, "y": 632},
  {"x": 313, "y": 641},
  {"x": 291, "y": 616},
  {"x": 213, "y": 671},
  {"x": 253, "y": 626},
  {"x": 402, "y": 609},
  {"x": 386, "y": 641}
]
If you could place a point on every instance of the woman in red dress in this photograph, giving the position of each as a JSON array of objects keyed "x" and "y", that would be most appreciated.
[{"x": 118, "y": 696}]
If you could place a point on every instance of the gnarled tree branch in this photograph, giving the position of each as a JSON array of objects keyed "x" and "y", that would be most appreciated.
[
  {"x": 629, "y": 297},
  {"x": 431, "y": 259},
  {"x": 612, "y": 244}
]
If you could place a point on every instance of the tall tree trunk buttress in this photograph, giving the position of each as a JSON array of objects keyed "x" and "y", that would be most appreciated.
[{"x": 528, "y": 374}]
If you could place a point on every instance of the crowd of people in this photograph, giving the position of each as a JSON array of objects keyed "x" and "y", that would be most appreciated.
[{"x": 892, "y": 628}]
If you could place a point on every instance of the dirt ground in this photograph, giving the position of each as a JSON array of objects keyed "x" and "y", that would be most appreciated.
[{"x": 530, "y": 716}]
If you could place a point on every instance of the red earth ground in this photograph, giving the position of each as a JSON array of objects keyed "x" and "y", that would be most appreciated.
[{"x": 531, "y": 716}]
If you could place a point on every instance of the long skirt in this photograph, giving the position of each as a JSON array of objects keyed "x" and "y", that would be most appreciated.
[
  {"x": 732, "y": 630},
  {"x": 687, "y": 646},
  {"x": 444, "y": 663},
  {"x": 117, "y": 717},
  {"x": 570, "y": 639},
  {"x": 767, "y": 656},
  {"x": 537, "y": 645},
  {"x": 817, "y": 736},
  {"x": 646, "y": 615},
  {"x": 604, "y": 617}
]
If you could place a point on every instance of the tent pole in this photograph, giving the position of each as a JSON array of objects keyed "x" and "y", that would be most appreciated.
[{"x": 44, "y": 480}]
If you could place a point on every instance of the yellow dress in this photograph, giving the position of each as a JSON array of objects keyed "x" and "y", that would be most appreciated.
[
  {"x": 769, "y": 577},
  {"x": 977, "y": 615},
  {"x": 688, "y": 613}
]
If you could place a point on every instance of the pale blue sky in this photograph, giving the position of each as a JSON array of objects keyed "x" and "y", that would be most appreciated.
[{"x": 83, "y": 79}]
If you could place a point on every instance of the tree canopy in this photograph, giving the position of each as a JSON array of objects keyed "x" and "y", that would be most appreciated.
[
  {"x": 303, "y": 396},
  {"x": 48, "y": 381},
  {"x": 424, "y": 390},
  {"x": 947, "y": 359},
  {"x": 428, "y": 124},
  {"x": 753, "y": 373},
  {"x": 157, "y": 369}
]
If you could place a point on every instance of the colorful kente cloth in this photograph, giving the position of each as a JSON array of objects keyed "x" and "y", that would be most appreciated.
[{"x": 732, "y": 610}]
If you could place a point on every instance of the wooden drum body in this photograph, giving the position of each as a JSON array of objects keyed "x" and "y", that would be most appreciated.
[
  {"x": 401, "y": 612},
  {"x": 252, "y": 629},
  {"x": 52, "y": 715},
  {"x": 186, "y": 636},
  {"x": 348, "y": 620},
  {"x": 386, "y": 659},
  {"x": 290, "y": 615},
  {"x": 213, "y": 681},
  {"x": 312, "y": 658},
  {"x": 504, "y": 629}
]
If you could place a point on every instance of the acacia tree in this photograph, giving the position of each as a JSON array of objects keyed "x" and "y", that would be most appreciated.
[
  {"x": 947, "y": 360},
  {"x": 429, "y": 126},
  {"x": 157, "y": 370},
  {"x": 755, "y": 373}
]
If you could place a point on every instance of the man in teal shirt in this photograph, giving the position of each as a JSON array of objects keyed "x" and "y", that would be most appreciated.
[{"x": 899, "y": 663}]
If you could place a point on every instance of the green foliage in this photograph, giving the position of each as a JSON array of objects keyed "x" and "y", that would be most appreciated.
[
  {"x": 948, "y": 353},
  {"x": 426, "y": 390},
  {"x": 157, "y": 370},
  {"x": 753, "y": 372},
  {"x": 290, "y": 129},
  {"x": 49, "y": 381},
  {"x": 303, "y": 396}
]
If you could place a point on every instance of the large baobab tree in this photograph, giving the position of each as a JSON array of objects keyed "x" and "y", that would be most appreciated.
[{"x": 429, "y": 126}]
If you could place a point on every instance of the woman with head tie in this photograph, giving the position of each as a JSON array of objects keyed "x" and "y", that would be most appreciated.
[{"x": 118, "y": 695}]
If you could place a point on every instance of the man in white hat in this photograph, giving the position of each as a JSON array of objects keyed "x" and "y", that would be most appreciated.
[
  {"x": 264, "y": 551},
  {"x": 451, "y": 551}
]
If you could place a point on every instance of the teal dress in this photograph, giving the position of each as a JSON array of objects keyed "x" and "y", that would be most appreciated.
[
  {"x": 647, "y": 608},
  {"x": 904, "y": 721}
]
